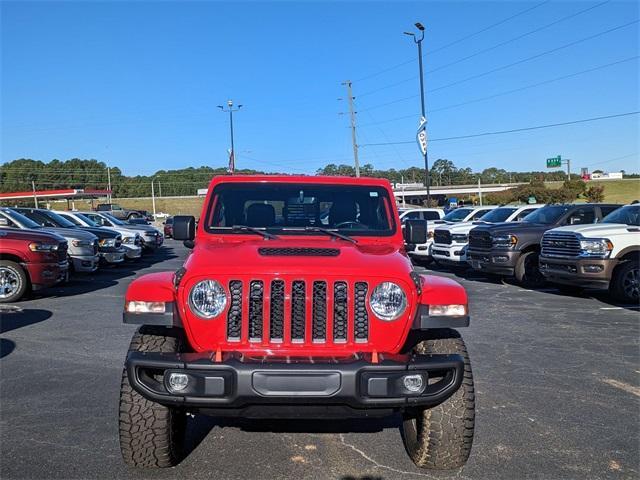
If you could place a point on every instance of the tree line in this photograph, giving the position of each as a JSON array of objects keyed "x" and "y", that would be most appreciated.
[{"x": 18, "y": 175}]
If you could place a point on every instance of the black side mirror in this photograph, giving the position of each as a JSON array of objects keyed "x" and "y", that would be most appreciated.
[
  {"x": 415, "y": 232},
  {"x": 184, "y": 228}
]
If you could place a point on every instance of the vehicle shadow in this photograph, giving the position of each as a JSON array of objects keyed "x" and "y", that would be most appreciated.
[
  {"x": 346, "y": 425},
  {"x": 16, "y": 317},
  {"x": 6, "y": 347}
]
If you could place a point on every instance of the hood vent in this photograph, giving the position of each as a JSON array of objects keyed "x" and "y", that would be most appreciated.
[{"x": 298, "y": 252}]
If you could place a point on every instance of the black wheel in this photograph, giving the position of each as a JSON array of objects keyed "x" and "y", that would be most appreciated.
[
  {"x": 626, "y": 282},
  {"x": 13, "y": 281},
  {"x": 441, "y": 437},
  {"x": 528, "y": 271},
  {"x": 151, "y": 435}
]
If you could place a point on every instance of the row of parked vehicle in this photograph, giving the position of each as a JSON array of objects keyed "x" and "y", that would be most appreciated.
[
  {"x": 40, "y": 248},
  {"x": 574, "y": 246}
]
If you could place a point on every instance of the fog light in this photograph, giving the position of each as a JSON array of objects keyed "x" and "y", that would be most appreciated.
[
  {"x": 178, "y": 381},
  {"x": 413, "y": 383},
  {"x": 593, "y": 268}
]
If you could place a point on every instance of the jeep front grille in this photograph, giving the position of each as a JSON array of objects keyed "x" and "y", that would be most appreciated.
[
  {"x": 297, "y": 311},
  {"x": 442, "y": 237},
  {"x": 560, "y": 244}
]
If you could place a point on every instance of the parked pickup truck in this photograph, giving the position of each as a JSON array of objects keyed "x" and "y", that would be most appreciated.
[
  {"x": 605, "y": 255},
  {"x": 422, "y": 253},
  {"x": 120, "y": 213},
  {"x": 298, "y": 300},
  {"x": 512, "y": 249},
  {"x": 83, "y": 246},
  {"x": 451, "y": 241},
  {"x": 29, "y": 260}
]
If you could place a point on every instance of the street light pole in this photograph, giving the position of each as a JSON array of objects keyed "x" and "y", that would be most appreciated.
[
  {"x": 232, "y": 154},
  {"x": 418, "y": 41}
]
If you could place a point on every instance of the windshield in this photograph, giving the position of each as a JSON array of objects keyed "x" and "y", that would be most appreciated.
[
  {"x": 20, "y": 219},
  {"x": 73, "y": 220},
  {"x": 457, "y": 215},
  {"x": 290, "y": 208},
  {"x": 497, "y": 215},
  {"x": 47, "y": 218},
  {"x": 629, "y": 215},
  {"x": 547, "y": 215},
  {"x": 113, "y": 219},
  {"x": 86, "y": 220}
]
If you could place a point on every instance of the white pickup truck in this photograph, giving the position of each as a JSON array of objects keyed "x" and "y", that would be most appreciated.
[
  {"x": 422, "y": 252},
  {"x": 605, "y": 255},
  {"x": 450, "y": 242}
]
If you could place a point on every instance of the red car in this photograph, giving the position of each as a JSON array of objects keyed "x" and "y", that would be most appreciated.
[
  {"x": 298, "y": 301},
  {"x": 168, "y": 227},
  {"x": 30, "y": 260}
]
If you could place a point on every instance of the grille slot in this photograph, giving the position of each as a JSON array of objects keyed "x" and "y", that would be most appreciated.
[
  {"x": 256, "y": 297},
  {"x": 556, "y": 244},
  {"x": 62, "y": 251},
  {"x": 340, "y": 312},
  {"x": 319, "y": 319},
  {"x": 234, "y": 316},
  {"x": 298, "y": 307},
  {"x": 479, "y": 239},
  {"x": 361, "y": 317},
  {"x": 298, "y": 252},
  {"x": 443, "y": 237},
  {"x": 276, "y": 314}
]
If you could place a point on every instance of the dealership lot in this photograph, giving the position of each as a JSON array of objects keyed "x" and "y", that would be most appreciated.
[{"x": 558, "y": 393}]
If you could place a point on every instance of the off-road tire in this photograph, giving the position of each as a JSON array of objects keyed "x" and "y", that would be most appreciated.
[
  {"x": 441, "y": 437},
  {"x": 18, "y": 273},
  {"x": 151, "y": 435},
  {"x": 620, "y": 287},
  {"x": 524, "y": 275}
]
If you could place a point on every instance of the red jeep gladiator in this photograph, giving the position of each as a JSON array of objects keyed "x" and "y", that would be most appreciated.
[
  {"x": 298, "y": 300},
  {"x": 30, "y": 260}
]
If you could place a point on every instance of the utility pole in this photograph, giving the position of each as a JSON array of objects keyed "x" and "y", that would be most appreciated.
[
  {"x": 153, "y": 199},
  {"x": 35, "y": 197},
  {"x": 568, "y": 160},
  {"x": 352, "y": 113},
  {"x": 232, "y": 153},
  {"x": 109, "y": 181},
  {"x": 160, "y": 189},
  {"x": 423, "y": 120}
]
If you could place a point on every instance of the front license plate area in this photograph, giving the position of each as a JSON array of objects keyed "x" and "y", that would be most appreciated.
[{"x": 312, "y": 384}]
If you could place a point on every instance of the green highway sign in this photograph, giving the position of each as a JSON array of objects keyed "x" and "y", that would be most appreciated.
[{"x": 554, "y": 162}]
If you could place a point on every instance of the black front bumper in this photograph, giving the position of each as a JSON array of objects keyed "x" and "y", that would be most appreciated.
[
  {"x": 237, "y": 381},
  {"x": 499, "y": 262}
]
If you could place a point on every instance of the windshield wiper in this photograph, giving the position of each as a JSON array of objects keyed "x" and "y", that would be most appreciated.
[
  {"x": 245, "y": 228},
  {"x": 333, "y": 233}
]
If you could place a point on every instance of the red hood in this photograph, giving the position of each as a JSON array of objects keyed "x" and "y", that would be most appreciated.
[
  {"x": 30, "y": 235},
  {"x": 229, "y": 257}
]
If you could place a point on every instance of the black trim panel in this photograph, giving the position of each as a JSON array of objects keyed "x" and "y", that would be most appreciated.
[{"x": 170, "y": 318}]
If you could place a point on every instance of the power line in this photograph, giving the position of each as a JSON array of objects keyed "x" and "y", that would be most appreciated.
[
  {"x": 613, "y": 159},
  {"x": 488, "y": 49},
  {"x": 455, "y": 42},
  {"x": 501, "y": 132},
  {"x": 512, "y": 64},
  {"x": 507, "y": 92}
]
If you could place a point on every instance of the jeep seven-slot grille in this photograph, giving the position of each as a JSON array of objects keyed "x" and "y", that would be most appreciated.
[
  {"x": 298, "y": 311},
  {"x": 479, "y": 239},
  {"x": 557, "y": 244},
  {"x": 442, "y": 237}
]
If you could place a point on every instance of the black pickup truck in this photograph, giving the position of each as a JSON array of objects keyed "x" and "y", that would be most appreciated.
[{"x": 512, "y": 249}]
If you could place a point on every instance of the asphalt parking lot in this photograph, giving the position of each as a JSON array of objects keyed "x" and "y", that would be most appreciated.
[{"x": 557, "y": 382}]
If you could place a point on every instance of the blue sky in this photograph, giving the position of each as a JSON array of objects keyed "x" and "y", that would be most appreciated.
[{"x": 136, "y": 84}]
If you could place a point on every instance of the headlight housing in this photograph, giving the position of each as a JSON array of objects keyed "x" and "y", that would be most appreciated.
[
  {"x": 107, "y": 242},
  {"x": 595, "y": 247},
  {"x": 388, "y": 301},
  {"x": 508, "y": 241},
  {"x": 82, "y": 243},
  {"x": 42, "y": 247},
  {"x": 207, "y": 299},
  {"x": 460, "y": 237}
]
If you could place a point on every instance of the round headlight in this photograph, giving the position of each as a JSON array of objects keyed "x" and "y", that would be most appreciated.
[
  {"x": 388, "y": 301},
  {"x": 208, "y": 299}
]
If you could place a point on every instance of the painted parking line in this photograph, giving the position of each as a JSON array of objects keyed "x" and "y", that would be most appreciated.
[{"x": 622, "y": 386}]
